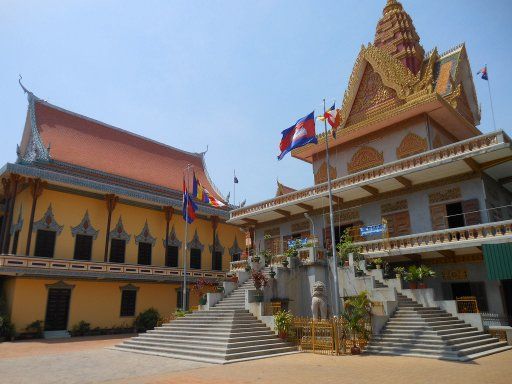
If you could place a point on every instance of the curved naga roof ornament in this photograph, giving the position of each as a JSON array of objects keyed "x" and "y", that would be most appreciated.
[{"x": 35, "y": 149}]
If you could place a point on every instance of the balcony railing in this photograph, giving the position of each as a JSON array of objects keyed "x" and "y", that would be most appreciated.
[
  {"x": 7, "y": 261},
  {"x": 474, "y": 233},
  {"x": 451, "y": 152}
]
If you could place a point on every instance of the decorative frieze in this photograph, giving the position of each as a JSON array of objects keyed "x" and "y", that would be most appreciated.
[
  {"x": 366, "y": 157},
  {"x": 411, "y": 144},
  {"x": 400, "y": 205},
  {"x": 300, "y": 227},
  {"x": 145, "y": 236},
  {"x": 272, "y": 232},
  {"x": 347, "y": 215},
  {"x": 321, "y": 173},
  {"x": 85, "y": 228},
  {"x": 48, "y": 223},
  {"x": 448, "y": 194},
  {"x": 455, "y": 274}
]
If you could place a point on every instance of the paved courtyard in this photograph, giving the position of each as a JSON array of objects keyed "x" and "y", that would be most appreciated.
[{"x": 87, "y": 360}]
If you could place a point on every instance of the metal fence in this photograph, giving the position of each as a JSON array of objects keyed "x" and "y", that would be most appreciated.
[
  {"x": 328, "y": 337},
  {"x": 467, "y": 304}
]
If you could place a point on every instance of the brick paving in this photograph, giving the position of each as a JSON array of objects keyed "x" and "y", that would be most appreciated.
[{"x": 87, "y": 360}]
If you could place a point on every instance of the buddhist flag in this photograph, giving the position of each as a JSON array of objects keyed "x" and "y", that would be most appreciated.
[
  {"x": 202, "y": 194},
  {"x": 332, "y": 115}
]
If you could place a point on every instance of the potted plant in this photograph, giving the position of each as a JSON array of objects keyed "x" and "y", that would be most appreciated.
[
  {"x": 283, "y": 321},
  {"x": 358, "y": 272},
  {"x": 346, "y": 246},
  {"x": 260, "y": 281},
  {"x": 285, "y": 262},
  {"x": 378, "y": 262},
  {"x": 412, "y": 276},
  {"x": 399, "y": 272},
  {"x": 256, "y": 258},
  {"x": 425, "y": 273},
  {"x": 356, "y": 314},
  {"x": 272, "y": 273}
]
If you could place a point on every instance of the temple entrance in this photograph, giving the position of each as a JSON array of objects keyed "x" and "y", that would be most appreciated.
[{"x": 57, "y": 309}]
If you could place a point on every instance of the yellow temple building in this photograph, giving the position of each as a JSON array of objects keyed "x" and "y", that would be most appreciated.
[{"x": 92, "y": 228}]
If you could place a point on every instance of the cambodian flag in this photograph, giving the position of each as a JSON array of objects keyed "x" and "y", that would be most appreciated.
[
  {"x": 298, "y": 135},
  {"x": 483, "y": 73},
  {"x": 189, "y": 207}
]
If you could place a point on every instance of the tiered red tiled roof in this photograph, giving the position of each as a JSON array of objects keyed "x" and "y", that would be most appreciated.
[{"x": 84, "y": 142}]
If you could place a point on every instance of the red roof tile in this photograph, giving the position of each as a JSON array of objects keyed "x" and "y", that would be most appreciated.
[{"x": 84, "y": 142}]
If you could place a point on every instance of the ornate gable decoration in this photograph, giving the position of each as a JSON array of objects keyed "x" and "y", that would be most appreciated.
[
  {"x": 173, "y": 239},
  {"x": 218, "y": 245},
  {"x": 366, "y": 157},
  {"x": 19, "y": 224},
  {"x": 85, "y": 228},
  {"x": 321, "y": 174},
  {"x": 48, "y": 222},
  {"x": 235, "y": 248},
  {"x": 118, "y": 232},
  {"x": 145, "y": 236},
  {"x": 35, "y": 149},
  {"x": 392, "y": 74},
  {"x": 195, "y": 243},
  {"x": 371, "y": 95},
  {"x": 412, "y": 144}
]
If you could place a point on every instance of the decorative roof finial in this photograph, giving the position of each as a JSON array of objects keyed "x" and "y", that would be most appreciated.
[
  {"x": 22, "y": 86},
  {"x": 204, "y": 152}
]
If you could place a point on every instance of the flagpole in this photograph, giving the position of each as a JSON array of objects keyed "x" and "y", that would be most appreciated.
[
  {"x": 185, "y": 245},
  {"x": 234, "y": 188},
  {"x": 490, "y": 97},
  {"x": 331, "y": 218}
]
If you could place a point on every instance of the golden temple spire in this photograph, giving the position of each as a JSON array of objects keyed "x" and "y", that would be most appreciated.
[{"x": 396, "y": 35}]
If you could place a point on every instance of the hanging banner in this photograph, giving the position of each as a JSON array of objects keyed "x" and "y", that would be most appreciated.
[{"x": 372, "y": 230}]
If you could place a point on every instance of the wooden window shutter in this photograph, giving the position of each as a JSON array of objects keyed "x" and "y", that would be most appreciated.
[
  {"x": 390, "y": 219},
  {"x": 438, "y": 217},
  {"x": 285, "y": 242},
  {"x": 471, "y": 212},
  {"x": 402, "y": 223},
  {"x": 355, "y": 232}
]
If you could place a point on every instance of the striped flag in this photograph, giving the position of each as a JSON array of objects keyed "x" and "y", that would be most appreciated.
[{"x": 202, "y": 194}]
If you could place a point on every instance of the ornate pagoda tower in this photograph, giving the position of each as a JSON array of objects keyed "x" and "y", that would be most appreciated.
[{"x": 396, "y": 35}]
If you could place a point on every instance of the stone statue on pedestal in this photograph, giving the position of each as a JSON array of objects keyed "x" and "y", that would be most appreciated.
[{"x": 319, "y": 302}]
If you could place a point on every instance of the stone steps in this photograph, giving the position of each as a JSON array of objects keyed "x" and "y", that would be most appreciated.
[
  {"x": 415, "y": 330},
  {"x": 225, "y": 333}
]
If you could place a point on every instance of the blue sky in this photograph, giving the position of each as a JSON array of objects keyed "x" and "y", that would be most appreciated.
[{"x": 228, "y": 74}]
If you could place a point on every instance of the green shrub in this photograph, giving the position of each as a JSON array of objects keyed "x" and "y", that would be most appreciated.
[
  {"x": 147, "y": 320},
  {"x": 81, "y": 329},
  {"x": 7, "y": 329},
  {"x": 36, "y": 328}
]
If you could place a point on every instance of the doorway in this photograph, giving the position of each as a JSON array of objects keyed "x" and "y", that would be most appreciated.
[
  {"x": 455, "y": 215},
  {"x": 57, "y": 309}
]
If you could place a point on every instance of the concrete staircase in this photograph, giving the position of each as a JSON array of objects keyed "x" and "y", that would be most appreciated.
[
  {"x": 226, "y": 333},
  {"x": 415, "y": 330}
]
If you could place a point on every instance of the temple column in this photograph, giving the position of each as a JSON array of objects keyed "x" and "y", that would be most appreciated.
[
  {"x": 168, "y": 211},
  {"x": 111, "y": 201},
  {"x": 215, "y": 223},
  {"x": 16, "y": 180},
  {"x": 6, "y": 183},
  {"x": 36, "y": 189}
]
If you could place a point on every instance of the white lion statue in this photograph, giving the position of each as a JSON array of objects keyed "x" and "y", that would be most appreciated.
[{"x": 318, "y": 302}]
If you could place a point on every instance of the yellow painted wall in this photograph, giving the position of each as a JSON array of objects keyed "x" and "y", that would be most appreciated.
[
  {"x": 98, "y": 303},
  {"x": 69, "y": 210},
  {"x": 8, "y": 286}
]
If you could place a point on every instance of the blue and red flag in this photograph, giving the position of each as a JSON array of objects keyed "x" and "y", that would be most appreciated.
[
  {"x": 483, "y": 73},
  {"x": 298, "y": 135},
  {"x": 189, "y": 207}
]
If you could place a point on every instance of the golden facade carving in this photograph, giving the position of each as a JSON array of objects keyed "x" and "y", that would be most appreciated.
[
  {"x": 412, "y": 144},
  {"x": 400, "y": 205},
  {"x": 366, "y": 157},
  {"x": 300, "y": 227},
  {"x": 444, "y": 76},
  {"x": 455, "y": 274},
  {"x": 372, "y": 94},
  {"x": 448, "y": 194},
  {"x": 272, "y": 232},
  {"x": 321, "y": 174}
]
